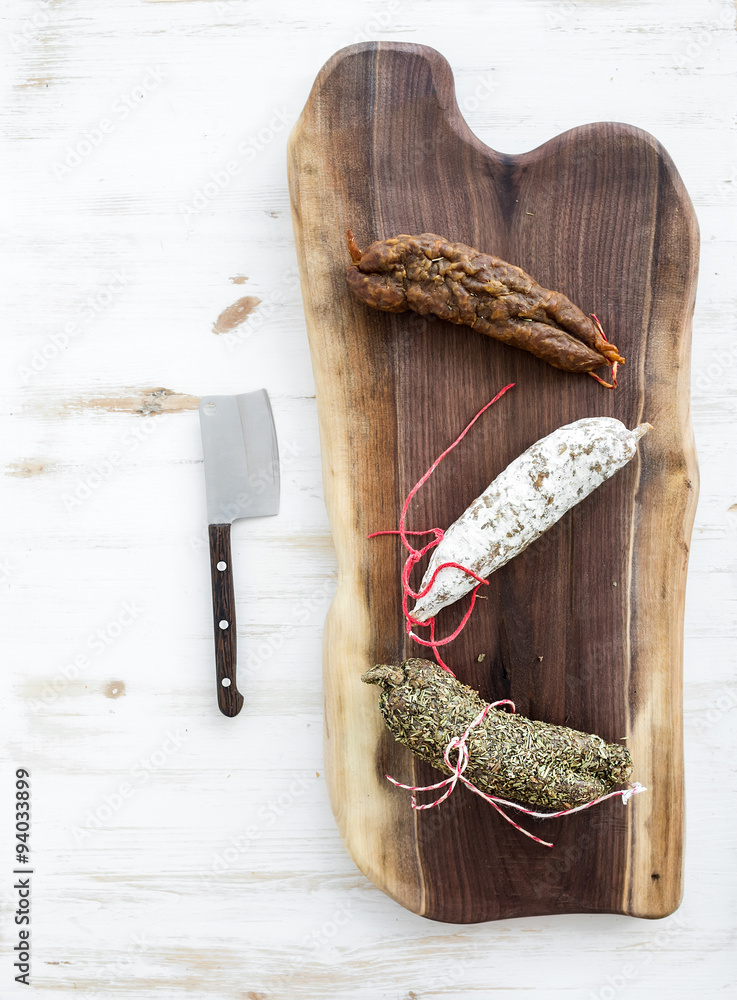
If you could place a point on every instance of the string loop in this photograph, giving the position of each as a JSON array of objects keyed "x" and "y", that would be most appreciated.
[
  {"x": 458, "y": 744},
  {"x": 415, "y": 555}
]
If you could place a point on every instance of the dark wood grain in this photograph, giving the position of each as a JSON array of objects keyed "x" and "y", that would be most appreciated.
[
  {"x": 585, "y": 627},
  {"x": 230, "y": 701}
]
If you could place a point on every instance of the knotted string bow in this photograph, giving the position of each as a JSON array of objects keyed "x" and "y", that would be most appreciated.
[{"x": 458, "y": 743}]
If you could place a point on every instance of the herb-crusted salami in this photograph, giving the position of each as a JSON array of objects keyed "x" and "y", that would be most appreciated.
[
  {"x": 555, "y": 767},
  {"x": 454, "y": 282},
  {"x": 532, "y": 493}
]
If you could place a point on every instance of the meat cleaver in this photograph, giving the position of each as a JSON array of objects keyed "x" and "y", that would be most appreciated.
[{"x": 242, "y": 480}]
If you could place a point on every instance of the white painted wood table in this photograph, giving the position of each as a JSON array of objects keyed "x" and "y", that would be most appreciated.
[{"x": 176, "y": 852}]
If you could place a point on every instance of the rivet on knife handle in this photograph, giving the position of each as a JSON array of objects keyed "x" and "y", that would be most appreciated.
[{"x": 230, "y": 701}]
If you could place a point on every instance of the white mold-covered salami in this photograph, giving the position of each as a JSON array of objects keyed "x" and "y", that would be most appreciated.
[{"x": 532, "y": 493}]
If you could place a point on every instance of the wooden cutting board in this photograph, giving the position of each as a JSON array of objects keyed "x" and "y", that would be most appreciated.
[{"x": 584, "y": 628}]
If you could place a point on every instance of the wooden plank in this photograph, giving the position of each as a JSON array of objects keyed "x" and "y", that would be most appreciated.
[{"x": 585, "y": 628}]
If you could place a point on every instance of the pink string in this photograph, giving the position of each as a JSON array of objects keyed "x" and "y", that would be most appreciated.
[
  {"x": 415, "y": 555},
  {"x": 458, "y": 743},
  {"x": 615, "y": 364}
]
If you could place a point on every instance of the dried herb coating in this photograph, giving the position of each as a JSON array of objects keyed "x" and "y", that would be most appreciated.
[
  {"x": 554, "y": 767},
  {"x": 452, "y": 281}
]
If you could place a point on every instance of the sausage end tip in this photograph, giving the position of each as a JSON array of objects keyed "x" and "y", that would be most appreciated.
[{"x": 384, "y": 675}]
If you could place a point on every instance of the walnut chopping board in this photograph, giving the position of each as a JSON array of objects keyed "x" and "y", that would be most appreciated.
[{"x": 583, "y": 629}]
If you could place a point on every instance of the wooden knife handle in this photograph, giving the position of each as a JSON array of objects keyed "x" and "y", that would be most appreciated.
[{"x": 230, "y": 701}]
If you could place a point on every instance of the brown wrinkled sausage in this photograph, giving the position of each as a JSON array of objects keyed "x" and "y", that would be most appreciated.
[{"x": 452, "y": 281}]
